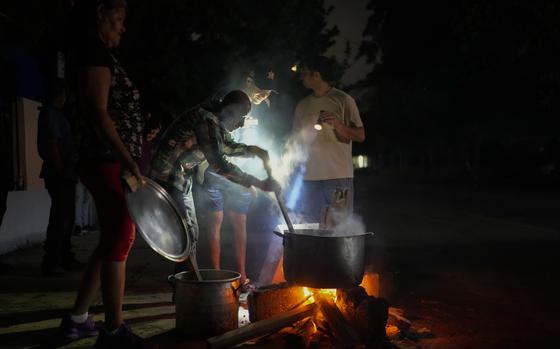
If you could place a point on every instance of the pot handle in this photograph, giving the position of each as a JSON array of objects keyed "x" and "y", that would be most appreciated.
[
  {"x": 278, "y": 233},
  {"x": 369, "y": 234},
  {"x": 171, "y": 280},
  {"x": 236, "y": 291}
]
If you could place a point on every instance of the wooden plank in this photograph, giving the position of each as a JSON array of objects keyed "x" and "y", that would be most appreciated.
[
  {"x": 260, "y": 328},
  {"x": 366, "y": 314}
]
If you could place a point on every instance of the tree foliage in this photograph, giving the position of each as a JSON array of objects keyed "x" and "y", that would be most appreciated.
[
  {"x": 182, "y": 51},
  {"x": 463, "y": 72},
  {"x": 179, "y": 52}
]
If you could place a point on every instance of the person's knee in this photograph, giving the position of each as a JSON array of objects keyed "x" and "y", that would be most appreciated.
[
  {"x": 119, "y": 251},
  {"x": 215, "y": 218},
  {"x": 118, "y": 237},
  {"x": 237, "y": 218}
]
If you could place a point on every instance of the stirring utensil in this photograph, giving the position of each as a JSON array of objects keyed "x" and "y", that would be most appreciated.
[
  {"x": 194, "y": 264},
  {"x": 284, "y": 212},
  {"x": 280, "y": 200}
]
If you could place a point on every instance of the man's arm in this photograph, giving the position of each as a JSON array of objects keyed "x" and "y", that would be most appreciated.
[
  {"x": 354, "y": 131},
  {"x": 232, "y": 148},
  {"x": 55, "y": 158},
  {"x": 344, "y": 133},
  {"x": 210, "y": 142},
  {"x": 55, "y": 134}
]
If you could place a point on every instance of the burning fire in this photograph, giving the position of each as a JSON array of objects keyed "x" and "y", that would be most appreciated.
[{"x": 310, "y": 292}]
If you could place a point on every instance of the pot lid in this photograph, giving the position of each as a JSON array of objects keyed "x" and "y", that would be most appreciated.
[{"x": 159, "y": 221}]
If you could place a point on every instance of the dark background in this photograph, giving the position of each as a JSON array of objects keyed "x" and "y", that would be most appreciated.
[
  {"x": 460, "y": 110},
  {"x": 461, "y": 90}
]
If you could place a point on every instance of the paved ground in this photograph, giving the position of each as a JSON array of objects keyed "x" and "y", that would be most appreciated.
[{"x": 474, "y": 266}]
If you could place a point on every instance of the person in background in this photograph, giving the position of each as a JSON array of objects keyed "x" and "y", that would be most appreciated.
[
  {"x": 151, "y": 131},
  {"x": 110, "y": 126},
  {"x": 201, "y": 137},
  {"x": 329, "y": 161},
  {"x": 86, "y": 217},
  {"x": 57, "y": 149},
  {"x": 218, "y": 195}
]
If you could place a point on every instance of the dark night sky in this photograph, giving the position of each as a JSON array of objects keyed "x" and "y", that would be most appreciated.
[{"x": 351, "y": 18}]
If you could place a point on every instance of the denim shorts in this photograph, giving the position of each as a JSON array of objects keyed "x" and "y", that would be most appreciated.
[
  {"x": 316, "y": 194},
  {"x": 219, "y": 193}
]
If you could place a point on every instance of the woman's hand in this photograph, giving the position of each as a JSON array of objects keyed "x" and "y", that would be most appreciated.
[{"x": 132, "y": 168}]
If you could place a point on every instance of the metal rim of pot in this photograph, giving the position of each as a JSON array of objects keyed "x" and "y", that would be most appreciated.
[
  {"x": 173, "y": 277},
  {"x": 298, "y": 232}
]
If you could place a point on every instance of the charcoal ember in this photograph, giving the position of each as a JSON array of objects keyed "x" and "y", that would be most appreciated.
[
  {"x": 270, "y": 300},
  {"x": 367, "y": 314},
  {"x": 370, "y": 283},
  {"x": 392, "y": 332}
]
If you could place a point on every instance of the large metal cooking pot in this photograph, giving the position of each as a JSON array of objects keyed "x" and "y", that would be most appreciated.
[
  {"x": 209, "y": 307},
  {"x": 322, "y": 259}
]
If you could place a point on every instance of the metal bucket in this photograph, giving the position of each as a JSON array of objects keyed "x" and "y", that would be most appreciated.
[{"x": 206, "y": 308}]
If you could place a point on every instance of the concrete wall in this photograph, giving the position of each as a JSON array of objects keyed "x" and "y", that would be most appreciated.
[
  {"x": 26, "y": 219},
  {"x": 27, "y": 216},
  {"x": 29, "y": 160}
]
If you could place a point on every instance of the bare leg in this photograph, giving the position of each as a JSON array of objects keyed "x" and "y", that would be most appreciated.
[
  {"x": 90, "y": 284},
  {"x": 112, "y": 288},
  {"x": 239, "y": 226},
  {"x": 112, "y": 277},
  {"x": 214, "y": 226}
]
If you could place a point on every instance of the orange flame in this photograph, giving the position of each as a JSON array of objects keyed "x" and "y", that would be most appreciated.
[{"x": 310, "y": 292}]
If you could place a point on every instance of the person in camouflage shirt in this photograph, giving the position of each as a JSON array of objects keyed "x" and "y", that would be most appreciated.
[{"x": 201, "y": 137}]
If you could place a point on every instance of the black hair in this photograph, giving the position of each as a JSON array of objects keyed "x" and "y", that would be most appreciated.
[
  {"x": 153, "y": 122},
  {"x": 327, "y": 67},
  {"x": 232, "y": 97},
  {"x": 235, "y": 97},
  {"x": 83, "y": 22},
  {"x": 54, "y": 89}
]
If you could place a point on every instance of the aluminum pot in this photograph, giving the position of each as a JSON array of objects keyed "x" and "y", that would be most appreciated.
[
  {"x": 209, "y": 307},
  {"x": 322, "y": 259}
]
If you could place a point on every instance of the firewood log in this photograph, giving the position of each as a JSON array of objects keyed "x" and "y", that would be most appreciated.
[{"x": 367, "y": 314}]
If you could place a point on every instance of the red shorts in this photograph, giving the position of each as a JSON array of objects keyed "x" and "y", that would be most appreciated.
[{"x": 103, "y": 180}]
